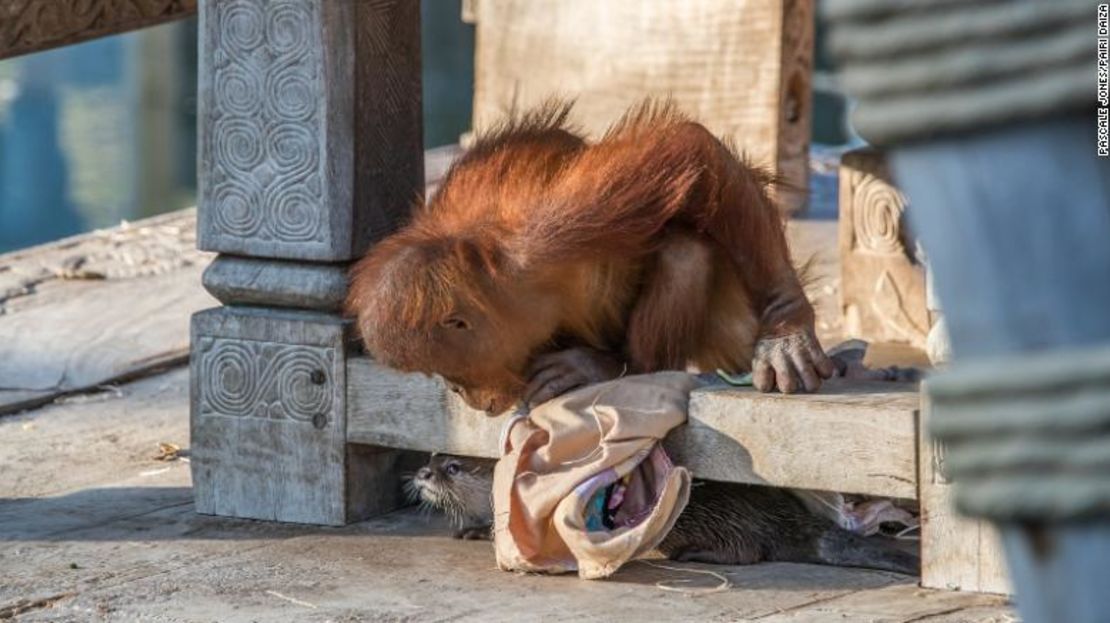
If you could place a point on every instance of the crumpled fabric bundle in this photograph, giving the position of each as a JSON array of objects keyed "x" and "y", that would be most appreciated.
[{"x": 583, "y": 483}]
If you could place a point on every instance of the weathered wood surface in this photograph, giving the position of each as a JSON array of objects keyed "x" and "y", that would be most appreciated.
[
  {"x": 269, "y": 419},
  {"x": 850, "y": 437},
  {"x": 238, "y": 280},
  {"x": 95, "y": 308},
  {"x": 741, "y": 67},
  {"x": 853, "y": 438},
  {"x": 80, "y": 487},
  {"x": 882, "y": 283},
  {"x": 285, "y": 92},
  {"x": 398, "y": 410},
  {"x": 32, "y": 25},
  {"x": 957, "y": 553}
]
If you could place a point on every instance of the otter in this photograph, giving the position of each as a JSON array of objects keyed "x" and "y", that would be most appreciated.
[
  {"x": 460, "y": 487},
  {"x": 724, "y": 523}
]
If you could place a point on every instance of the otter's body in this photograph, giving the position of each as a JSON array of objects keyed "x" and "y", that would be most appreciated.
[
  {"x": 737, "y": 524},
  {"x": 724, "y": 523}
]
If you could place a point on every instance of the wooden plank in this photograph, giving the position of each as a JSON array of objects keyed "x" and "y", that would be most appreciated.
[
  {"x": 97, "y": 308},
  {"x": 882, "y": 284},
  {"x": 415, "y": 412},
  {"x": 957, "y": 553},
  {"x": 740, "y": 66},
  {"x": 854, "y": 438},
  {"x": 86, "y": 442},
  {"x": 900, "y": 603},
  {"x": 33, "y": 25}
]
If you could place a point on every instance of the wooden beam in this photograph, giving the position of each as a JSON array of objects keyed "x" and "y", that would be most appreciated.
[
  {"x": 851, "y": 437},
  {"x": 742, "y": 67},
  {"x": 32, "y": 25}
]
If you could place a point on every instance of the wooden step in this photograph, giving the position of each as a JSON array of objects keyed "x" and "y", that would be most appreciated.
[{"x": 852, "y": 437}]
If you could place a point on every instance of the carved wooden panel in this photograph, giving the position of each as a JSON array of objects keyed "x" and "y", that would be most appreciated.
[
  {"x": 882, "y": 284},
  {"x": 287, "y": 88},
  {"x": 32, "y": 25},
  {"x": 251, "y": 378},
  {"x": 263, "y": 137}
]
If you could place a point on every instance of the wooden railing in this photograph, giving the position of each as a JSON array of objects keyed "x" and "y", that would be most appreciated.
[{"x": 33, "y": 25}]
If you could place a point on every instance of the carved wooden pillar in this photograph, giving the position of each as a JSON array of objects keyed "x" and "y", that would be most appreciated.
[{"x": 310, "y": 149}]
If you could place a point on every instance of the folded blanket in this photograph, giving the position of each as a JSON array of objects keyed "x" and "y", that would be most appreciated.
[{"x": 583, "y": 483}]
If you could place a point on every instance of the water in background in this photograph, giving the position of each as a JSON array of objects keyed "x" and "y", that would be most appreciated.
[
  {"x": 105, "y": 131},
  {"x": 95, "y": 133}
]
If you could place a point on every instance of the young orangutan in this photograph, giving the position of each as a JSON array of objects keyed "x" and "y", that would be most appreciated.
[{"x": 544, "y": 263}]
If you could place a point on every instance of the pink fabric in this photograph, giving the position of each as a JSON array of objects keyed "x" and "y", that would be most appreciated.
[{"x": 568, "y": 449}]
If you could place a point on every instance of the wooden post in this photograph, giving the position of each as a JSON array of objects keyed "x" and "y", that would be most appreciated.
[
  {"x": 288, "y": 197},
  {"x": 957, "y": 553},
  {"x": 742, "y": 67}
]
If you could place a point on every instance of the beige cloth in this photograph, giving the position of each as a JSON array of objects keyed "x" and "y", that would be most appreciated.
[{"x": 565, "y": 451}]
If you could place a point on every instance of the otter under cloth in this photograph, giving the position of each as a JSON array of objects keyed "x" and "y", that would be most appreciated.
[{"x": 584, "y": 484}]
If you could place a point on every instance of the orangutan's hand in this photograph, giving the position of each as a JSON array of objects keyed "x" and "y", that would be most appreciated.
[
  {"x": 557, "y": 373},
  {"x": 791, "y": 363}
]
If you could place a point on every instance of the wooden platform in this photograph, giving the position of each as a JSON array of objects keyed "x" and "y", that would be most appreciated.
[
  {"x": 849, "y": 438},
  {"x": 94, "y": 528}
]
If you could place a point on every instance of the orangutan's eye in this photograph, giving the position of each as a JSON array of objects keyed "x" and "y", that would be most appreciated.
[{"x": 454, "y": 322}]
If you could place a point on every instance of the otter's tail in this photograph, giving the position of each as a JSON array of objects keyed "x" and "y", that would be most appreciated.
[{"x": 838, "y": 546}]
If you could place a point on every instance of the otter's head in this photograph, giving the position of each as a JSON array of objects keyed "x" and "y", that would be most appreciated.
[{"x": 459, "y": 486}]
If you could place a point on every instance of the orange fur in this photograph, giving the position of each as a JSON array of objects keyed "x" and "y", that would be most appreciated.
[{"x": 657, "y": 242}]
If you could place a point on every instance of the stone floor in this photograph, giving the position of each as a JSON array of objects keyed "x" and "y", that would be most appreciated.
[{"x": 94, "y": 527}]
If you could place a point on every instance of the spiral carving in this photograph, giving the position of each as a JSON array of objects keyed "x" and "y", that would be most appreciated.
[
  {"x": 234, "y": 209},
  {"x": 294, "y": 212},
  {"x": 241, "y": 145},
  {"x": 293, "y": 148},
  {"x": 290, "y": 96},
  {"x": 249, "y": 378},
  {"x": 877, "y": 216},
  {"x": 264, "y": 140},
  {"x": 241, "y": 25},
  {"x": 285, "y": 28},
  {"x": 238, "y": 91}
]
